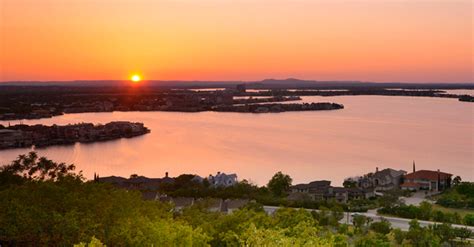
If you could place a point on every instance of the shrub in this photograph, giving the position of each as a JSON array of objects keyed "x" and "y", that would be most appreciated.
[
  {"x": 469, "y": 219},
  {"x": 382, "y": 227}
]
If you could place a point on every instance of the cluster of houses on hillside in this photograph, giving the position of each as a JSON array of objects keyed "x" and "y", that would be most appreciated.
[
  {"x": 361, "y": 187},
  {"x": 370, "y": 184},
  {"x": 142, "y": 183},
  {"x": 322, "y": 190},
  {"x": 150, "y": 186}
]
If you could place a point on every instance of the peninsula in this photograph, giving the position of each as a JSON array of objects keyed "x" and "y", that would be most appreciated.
[
  {"x": 21, "y": 136},
  {"x": 266, "y": 108}
]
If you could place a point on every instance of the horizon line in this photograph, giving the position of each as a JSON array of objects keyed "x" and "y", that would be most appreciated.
[{"x": 234, "y": 81}]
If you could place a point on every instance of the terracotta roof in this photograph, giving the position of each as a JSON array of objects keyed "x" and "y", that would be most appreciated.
[{"x": 428, "y": 175}]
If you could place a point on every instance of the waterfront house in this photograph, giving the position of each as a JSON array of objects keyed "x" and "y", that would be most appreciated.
[
  {"x": 316, "y": 189},
  {"x": 427, "y": 180},
  {"x": 386, "y": 179},
  {"x": 343, "y": 195},
  {"x": 322, "y": 190},
  {"x": 222, "y": 179}
]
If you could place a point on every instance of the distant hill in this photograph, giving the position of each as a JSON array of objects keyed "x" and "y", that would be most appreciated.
[{"x": 263, "y": 84}]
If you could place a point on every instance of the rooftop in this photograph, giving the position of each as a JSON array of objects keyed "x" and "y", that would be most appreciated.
[
  {"x": 318, "y": 183},
  {"x": 428, "y": 175},
  {"x": 389, "y": 172}
]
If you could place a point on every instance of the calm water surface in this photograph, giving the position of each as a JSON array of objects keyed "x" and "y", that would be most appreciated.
[{"x": 371, "y": 131}]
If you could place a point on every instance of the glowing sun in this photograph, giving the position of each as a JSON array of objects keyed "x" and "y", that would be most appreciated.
[{"x": 136, "y": 78}]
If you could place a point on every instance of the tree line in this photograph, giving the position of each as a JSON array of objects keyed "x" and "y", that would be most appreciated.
[{"x": 45, "y": 203}]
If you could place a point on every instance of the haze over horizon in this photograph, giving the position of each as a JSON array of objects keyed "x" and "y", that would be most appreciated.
[
  {"x": 222, "y": 82},
  {"x": 210, "y": 40}
]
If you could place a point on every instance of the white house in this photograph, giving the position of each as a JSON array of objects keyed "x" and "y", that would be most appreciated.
[{"x": 222, "y": 179}]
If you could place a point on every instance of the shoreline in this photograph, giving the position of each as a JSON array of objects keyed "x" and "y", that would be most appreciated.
[{"x": 39, "y": 136}]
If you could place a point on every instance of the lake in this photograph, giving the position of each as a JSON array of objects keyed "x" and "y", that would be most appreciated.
[{"x": 372, "y": 131}]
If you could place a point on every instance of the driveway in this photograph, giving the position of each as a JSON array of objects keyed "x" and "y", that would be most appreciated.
[{"x": 415, "y": 199}]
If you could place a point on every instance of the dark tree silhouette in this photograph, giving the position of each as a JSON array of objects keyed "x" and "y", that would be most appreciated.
[
  {"x": 279, "y": 184},
  {"x": 31, "y": 167}
]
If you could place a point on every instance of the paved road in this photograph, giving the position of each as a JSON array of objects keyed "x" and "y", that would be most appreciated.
[{"x": 395, "y": 221}]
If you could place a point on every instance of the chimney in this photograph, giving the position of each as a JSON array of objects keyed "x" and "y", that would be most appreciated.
[
  {"x": 377, "y": 169},
  {"x": 414, "y": 167},
  {"x": 166, "y": 174}
]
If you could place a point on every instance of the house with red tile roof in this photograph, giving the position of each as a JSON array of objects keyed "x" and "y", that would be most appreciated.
[{"x": 426, "y": 180}]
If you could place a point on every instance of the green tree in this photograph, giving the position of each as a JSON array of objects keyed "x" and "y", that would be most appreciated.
[
  {"x": 398, "y": 235},
  {"x": 445, "y": 232},
  {"x": 456, "y": 181},
  {"x": 349, "y": 183},
  {"x": 420, "y": 236},
  {"x": 93, "y": 243},
  {"x": 382, "y": 226},
  {"x": 32, "y": 167},
  {"x": 371, "y": 239},
  {"x": 337, "y": 214},
  {"x": 469, "y": 219},
  {"x": 279, "y": 184},
  {"x": 360, "y": 222},
  {"x": 388, "y": 200},
  {"x": 426, "y": 210},
  {"x": 288, "y": 217},
  {"x": 462, "y": 233},
  {"x": 69, "y": 211}
]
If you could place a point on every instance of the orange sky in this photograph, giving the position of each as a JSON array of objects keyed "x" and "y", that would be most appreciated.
[{"x": 372, "y": 40}]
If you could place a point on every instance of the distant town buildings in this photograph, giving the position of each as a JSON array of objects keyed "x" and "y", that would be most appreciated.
[
  {"x": 316, "y": 189},
  {"x": 241, "y": 88}
]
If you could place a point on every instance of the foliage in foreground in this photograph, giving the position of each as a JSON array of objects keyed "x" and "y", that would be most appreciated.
[
  {"x": 460, "y": 196},
  {"x": 426, "y": 212},
  {"x": 62, "y": 210}
]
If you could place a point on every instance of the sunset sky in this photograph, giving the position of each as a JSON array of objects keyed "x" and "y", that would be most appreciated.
[{"x": 370, "y": 40}]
